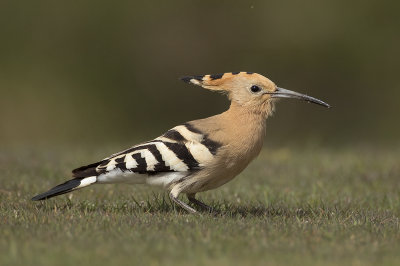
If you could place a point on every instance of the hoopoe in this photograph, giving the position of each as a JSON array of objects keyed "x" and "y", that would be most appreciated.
[{"x": 198, "y": 155}]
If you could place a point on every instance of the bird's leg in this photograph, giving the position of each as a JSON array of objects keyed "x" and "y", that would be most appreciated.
[
  {"x": 196, "y": 202},
  {"x": 181, "y": 203}
]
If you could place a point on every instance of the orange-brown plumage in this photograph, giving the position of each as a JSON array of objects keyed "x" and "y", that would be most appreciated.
[{"x": 199, "y": 155}]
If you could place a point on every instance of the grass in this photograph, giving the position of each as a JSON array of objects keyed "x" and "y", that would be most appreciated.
[{"x": 302, "y": 207}]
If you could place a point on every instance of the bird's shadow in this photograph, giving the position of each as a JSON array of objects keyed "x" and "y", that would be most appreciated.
[
  {"x": 257, "y": 211},
  {"x": 159, "y": 204}
]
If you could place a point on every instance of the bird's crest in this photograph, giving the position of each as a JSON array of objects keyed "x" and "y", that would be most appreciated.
[{"x": 216, "y": 82}]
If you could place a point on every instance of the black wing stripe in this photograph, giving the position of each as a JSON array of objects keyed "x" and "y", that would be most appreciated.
[
  {"x": 87, "y": 170},
  {"x": 174, "y": 135},
  {"x": 141, "y": 164},
  {"x": 160, "y": 166},
  {"x": 211, "y": 145},
  {"x": 192, "y": 128},
  {"x": 120, "y": 163},
  {"x": 182, "y": 152}
]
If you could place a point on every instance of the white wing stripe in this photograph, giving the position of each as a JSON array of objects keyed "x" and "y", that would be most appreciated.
[
  {"x": 189, "y": 135},
  {"x": 130, "y": 162},
  {"x": 150, "y": 159},
  {"x": 111, "y": 165},
  {"x": 199, "y": 152},
  {"x": 166, "y": 139}
]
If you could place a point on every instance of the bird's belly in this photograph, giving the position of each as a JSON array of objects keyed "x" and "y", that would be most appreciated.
[
  {"x": 118, "y": 176},
  {"x": 163, "y": 179},
  {"x": 221, "y": 178},
  {"x": 216, "y": 182},
  {"x": 213, "y": 179},
  {"x": 224, "y": 170}
]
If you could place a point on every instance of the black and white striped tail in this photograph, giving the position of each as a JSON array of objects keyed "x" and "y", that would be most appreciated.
[{"x": 66, "y": 187}]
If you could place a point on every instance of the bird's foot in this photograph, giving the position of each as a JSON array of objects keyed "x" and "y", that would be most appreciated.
[
  {"x": 182, "y": 204},
  {"x": 197, "y": 202}
]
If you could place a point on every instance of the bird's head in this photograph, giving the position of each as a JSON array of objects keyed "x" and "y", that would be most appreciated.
[{"x": 248, "y": 89}]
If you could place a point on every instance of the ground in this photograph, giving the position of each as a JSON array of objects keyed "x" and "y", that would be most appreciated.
[{"x": 301, "y": 206}]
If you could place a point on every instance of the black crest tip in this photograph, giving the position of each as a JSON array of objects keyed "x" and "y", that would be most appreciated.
[
  {"x": 186, "y": 79},
  {"x": 216, "y": 76}
]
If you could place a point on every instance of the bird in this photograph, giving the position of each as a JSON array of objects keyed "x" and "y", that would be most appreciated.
[{"x": 198, "y": 155}]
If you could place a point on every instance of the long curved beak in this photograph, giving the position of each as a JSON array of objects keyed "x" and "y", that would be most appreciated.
[{"x": 283, "y": 93}]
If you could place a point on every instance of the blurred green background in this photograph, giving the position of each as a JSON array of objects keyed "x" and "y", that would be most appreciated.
[
  {"x": 80, "y": 80},
  {"x": 97, "y": 71}
]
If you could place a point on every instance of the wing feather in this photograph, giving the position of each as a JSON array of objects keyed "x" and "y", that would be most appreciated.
[{"x": 181, "y": 149}]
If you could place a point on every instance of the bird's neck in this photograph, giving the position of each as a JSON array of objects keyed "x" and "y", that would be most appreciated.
[
  {"x": 238, "y": 126},
  {"x": 241, "y": 131},
  {"x": 258, "y": 112},
  {"x": 244, "y": 120},
  {"x": 245, "y": 125}
]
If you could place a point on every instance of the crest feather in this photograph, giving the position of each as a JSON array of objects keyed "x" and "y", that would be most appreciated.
[{"x": 213, "y": 82}]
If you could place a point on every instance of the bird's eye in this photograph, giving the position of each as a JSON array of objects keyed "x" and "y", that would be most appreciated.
[{"x": 255, "y": 89}]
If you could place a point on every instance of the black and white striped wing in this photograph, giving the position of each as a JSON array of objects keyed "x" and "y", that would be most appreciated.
[{"x": 181, "y": 149}]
